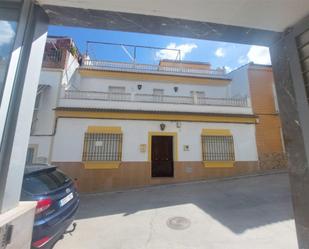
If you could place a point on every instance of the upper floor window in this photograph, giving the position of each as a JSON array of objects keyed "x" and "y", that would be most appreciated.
[
  {"x": 117, "y": 93},
  {"x": 158, "y": 95},
  {"x": 157, "y": 91},
  {"x": 198, "y": 94},
  {"x": 116, "y": 89},
  {"x": 198, "y": 97}
]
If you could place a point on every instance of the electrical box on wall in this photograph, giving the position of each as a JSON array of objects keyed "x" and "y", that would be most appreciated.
[
  {"x": 186, "y": 147},
  {"x": 188, "y": 170},
  {"x": 142, "y": 148}
]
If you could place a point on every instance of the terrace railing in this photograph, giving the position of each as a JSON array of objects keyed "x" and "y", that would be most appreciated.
[
  {"x": 152, "y": 98},
  {"x": 129, "y": 67},
  {"x": 223, "y": 101},
  {"x": 54, "y": 58},
  {"x": 91, "y": 95}
]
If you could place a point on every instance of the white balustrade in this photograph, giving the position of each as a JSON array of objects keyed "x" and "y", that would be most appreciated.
[
  {"x": 131, "y": 67},
  {"x": 151, "y": 98}
]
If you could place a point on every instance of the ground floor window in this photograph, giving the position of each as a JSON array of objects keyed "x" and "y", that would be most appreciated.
[
  {"x": 217, "y": 145},
  {"x": 102, "y": 144}
]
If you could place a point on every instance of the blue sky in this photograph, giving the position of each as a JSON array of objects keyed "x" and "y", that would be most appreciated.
[{"x": 219, "y": 54}]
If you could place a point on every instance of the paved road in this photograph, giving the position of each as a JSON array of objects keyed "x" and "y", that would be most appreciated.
[{"x": 247, "y": 213}]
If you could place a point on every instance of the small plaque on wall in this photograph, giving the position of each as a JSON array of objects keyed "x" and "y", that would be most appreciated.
[
  {"x": 142, "y": 148},
  {"x": 98, "y": 143},
  {"x": 186, "y": 148}
]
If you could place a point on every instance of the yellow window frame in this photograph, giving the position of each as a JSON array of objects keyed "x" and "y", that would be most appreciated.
[
  {"x": 103, "y": 164},
  {"x": 216, "y": 164}
]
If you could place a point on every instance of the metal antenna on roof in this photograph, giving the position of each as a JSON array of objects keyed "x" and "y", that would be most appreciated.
[
  {"x": 128, "y": 53},
  {"x": 178, "y": 57},
  {"x": 126, "y": 46},
  {"x": 134, "y": 55},
  {"x": 87, "y": 47}
]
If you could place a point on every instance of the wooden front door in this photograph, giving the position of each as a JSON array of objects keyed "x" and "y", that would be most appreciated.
[{"x": 162, "y": 164}]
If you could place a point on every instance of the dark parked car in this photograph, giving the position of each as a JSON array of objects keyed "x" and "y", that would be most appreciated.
[{"x": 57, "y": 203}]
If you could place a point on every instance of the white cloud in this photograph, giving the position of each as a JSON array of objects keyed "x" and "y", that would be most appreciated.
[
  {"x": 243, "y": 60},
  {"x": 172, "y": 55},
  {"x": 220, "y": 52},
  {"x": 7, "y": 33},
  {"x": 228, "y": 69},
  {"x": 259, "y": 55}
]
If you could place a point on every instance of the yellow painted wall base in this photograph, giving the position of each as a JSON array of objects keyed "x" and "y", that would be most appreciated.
[
  {"x": 218, "y": 164},
  {"x": 101, "y": 165},
  {"x": 138, "y": 174}
]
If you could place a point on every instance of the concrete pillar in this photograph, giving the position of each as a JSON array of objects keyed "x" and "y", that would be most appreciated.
[
  {"x": 20, "y": 93},
  {"x": 291, "y": 100},
  {"x": 17, "y": 104}
]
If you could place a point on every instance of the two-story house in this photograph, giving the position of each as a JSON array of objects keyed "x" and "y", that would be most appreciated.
[{"x": 114, "y": 125}]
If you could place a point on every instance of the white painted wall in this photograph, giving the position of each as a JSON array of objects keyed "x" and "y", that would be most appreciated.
[
  {"x": 70, "y": 70},
  {"x": 44, "y": 126},
  {"x": 57, "y": 80},
  {"x": 275, "y": 97},
  {"x": 240, "y": 82},
  {"x": 42, "y": 145},
  {"x": 48, "y": 101},
  {"x": 82, "y": 83},
  {"x": 68, "y": 143},
  {"x": 102, "y": 84}
]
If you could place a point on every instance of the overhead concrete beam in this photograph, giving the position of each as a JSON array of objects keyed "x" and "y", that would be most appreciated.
[{"x": 128, "y": 22}]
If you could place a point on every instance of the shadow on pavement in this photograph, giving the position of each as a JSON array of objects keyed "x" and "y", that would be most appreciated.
[{"x": 239, "y": 204}]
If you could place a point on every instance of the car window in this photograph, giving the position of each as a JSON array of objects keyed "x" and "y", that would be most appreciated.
[{"x": 44, "y": 182}]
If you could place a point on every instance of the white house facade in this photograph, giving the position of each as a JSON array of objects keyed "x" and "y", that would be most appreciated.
[{"x": 122, "y": 125}]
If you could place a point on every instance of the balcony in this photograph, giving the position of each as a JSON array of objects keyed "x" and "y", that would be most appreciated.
[
  {"x": 150, "y": 102},
  {"x": 151, "y": 68},
  {"x": 55, "y": 58}
]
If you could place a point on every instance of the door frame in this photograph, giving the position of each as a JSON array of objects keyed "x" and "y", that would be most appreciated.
[
  {"x": 168, "y": 134},
  {"x": 162, "y": 168}
]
